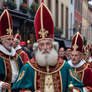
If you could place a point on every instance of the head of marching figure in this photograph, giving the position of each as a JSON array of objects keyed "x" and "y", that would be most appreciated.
[
  {"x": 6, "y": 30},
  {"x": 17, "y": 39},
  {"x": 45, "y": 49},
  {"x": 77, "y": 48},
  {"x": 46, "y": 52},
  {"x": 88, "y": 51}
]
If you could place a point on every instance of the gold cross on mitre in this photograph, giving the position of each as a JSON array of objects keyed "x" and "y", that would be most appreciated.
[
  {"x": 75, "y": 46},
  {"x": 43, "y": 33},
  {"x": 9, "y": 31}
]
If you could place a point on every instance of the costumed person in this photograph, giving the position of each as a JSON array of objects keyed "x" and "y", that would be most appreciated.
[
  {"x": 23, "y": 55},
  {"x": 10, "y": 63},
  {"x": 28, "y": 49},
  {"x": 88, "y": 53},
  {"x": 46, "y": 72},
  {"x": 80, "y": 66}
]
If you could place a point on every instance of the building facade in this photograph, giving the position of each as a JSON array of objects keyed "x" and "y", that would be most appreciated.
[
  {"x": 71, "y": 18},
  {"x": 78, "y": 16},
  {"x": 89, "y": 40},
  {"x": 85, "y": 22},
  {"x": 23, "y": 21}
]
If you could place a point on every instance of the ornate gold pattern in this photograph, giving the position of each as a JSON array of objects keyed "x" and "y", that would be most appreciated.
[
  {"x": 43, "y": 33},
  {"x": 19, "y": 53},
  {"x": 75, "y": 46},
  {"x": 57, "y": 82},
  {"x": 49, "y": 86},
  {"x": 21, "y": 75},
  {"x": 8, "y": 71},
  {"x": 54, "y": 69},
  {"x": 9, "y": 31},
  {"x": 80, "y": 71},
  {"x": 73, "y": 74},
  {"x": 61, "y": 81},
  {"x": 35, "y": 81}
]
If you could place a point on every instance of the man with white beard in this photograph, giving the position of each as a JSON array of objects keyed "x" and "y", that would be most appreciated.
[
  {"x": 10, "y": 63},
  {"x": 46, "y": 72}
]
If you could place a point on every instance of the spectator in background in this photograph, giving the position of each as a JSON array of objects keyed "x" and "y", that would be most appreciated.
[
  {"x": 62, "y": 53},
  {"x": 68, "y": 53},
  {"x": 28, "y": 49}
]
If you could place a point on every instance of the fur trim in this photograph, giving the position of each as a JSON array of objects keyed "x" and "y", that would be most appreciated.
[{"x": 5, "y": 51}]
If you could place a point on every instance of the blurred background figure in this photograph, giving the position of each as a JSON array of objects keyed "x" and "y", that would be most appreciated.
[
  {"x": 88, "y": 54},
  {"x": 68, "y": 53},
  {"x": 18, "y": 48},
  {"x": 62, "y": 53},
  {"x": 28, "y": 49}
]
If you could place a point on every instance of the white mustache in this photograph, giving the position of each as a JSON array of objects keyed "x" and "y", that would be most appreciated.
[{"x": 45, "y": 51}]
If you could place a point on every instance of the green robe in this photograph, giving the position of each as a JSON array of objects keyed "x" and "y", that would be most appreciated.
[
  {"x": 32, "y": 77},
  {"x": 5, "y": 66}
]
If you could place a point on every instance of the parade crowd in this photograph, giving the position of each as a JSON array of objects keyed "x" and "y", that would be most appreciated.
[{"x": 48, "y": 65}]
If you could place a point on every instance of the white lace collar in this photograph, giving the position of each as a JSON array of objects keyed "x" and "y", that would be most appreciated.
[
  {"x": 5, "y": 51},
  {"x": 18, "y": 47},
  {"x": 90, "y": 59},
  {"x": 78, "y": 65}
]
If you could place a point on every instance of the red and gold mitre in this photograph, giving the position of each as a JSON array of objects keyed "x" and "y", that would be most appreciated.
[
  {"x": 44, "y": 26},
  {"x": 6, "y": 24},
  {"x": 17, "y": 37},
  {"x": 77, "y": 42},
  {"x": 88, "y": 48}
]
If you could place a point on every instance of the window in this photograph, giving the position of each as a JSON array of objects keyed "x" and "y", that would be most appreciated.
[
  {"x": 71, "y": 1},
  {"x": 25, "y": 1},
  {"x": 66, "y": 22},
  {"x": 57, "y": 13},
  {"x": 79, "y": 5},
  {"x": 49, "y": 4},
  {"x": 36, "y": 1},
  {"x": 62, "y": 16},
  {"x": 71, "y": 20}
]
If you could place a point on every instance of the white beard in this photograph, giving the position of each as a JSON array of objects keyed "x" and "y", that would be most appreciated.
[
  {"x": 8, "y": 47},
  {"x": 48, "y": 59}
]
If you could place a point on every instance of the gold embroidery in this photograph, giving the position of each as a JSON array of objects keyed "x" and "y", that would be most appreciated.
[
  {"x": 49, "y": 86},
  {"x": 9, "y": 31},
  {"x": 75, "y": 47},
  {"x": 43, "y": 33},
  {"x": 47, "y": 72},
  {"x": 73, "y": 74},
  {"x": 75, "y": 44},
  {"x": 21, "y": 76}
]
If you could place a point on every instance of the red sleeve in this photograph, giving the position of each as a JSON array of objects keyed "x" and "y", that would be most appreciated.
[
  {"x": 88, "y": 79},
  {"x": 24, "y": 57}
]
